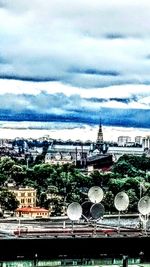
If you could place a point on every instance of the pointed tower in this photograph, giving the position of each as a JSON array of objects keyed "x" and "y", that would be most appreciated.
[
  {"x": 99, "y": 142},
  {"x": 100, "y": 135}
]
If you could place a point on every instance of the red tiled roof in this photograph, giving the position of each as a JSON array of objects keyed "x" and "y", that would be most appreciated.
[
  {"x": 106, "y": 169},
  {"x": 29, "y": 209}
]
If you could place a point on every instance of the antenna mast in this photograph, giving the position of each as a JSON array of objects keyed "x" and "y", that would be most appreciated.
[{"x": 100, "y": 134}]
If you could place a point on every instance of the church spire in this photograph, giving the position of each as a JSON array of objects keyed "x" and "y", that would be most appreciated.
[
  {"x": 100, "y": 145},
  {"x": 100, "y": 134}
]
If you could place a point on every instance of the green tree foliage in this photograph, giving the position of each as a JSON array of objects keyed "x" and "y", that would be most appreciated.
[
  {"x": 125, "y": 168},
  {"x": 18, "y": 174},
  {"x": 116, "y": 185},
  {"x": 133, "y": 183},
  {"x": 133, "y": 200},
  {"x": 145, "y": 163},
  {"x": 72, "y": 184},
  {"x": 121, "y": 167},
  {"x": 3, "y": 179},
  {"x": 139, "y": 162},
  {"x": 108, "y": 201},
  {"x": 6, "y": 165},
  {"x": 42, "y": 200},
  {"x": 97, "y": 178},
  {"x": 41, "y": 174},
  {"x": 8, "y": 200}
]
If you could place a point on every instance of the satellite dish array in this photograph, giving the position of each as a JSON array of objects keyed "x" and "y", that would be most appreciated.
[
  {"x": 89, "y": 209},
  {"x": 93, "y": 209}
]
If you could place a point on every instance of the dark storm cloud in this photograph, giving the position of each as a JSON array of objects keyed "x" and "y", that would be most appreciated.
[
  {"x": 95, "y": 72},
  {"x": 28, "y": 78},
  {"x": 120, "y": 117},
  {"x": 73, "y": 108},
  {"x": 115, "y": 36},
  {"x": 102, "y": 100}
]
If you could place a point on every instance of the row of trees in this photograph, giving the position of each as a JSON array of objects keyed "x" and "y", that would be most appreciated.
[{"x": 65, "y": 183}]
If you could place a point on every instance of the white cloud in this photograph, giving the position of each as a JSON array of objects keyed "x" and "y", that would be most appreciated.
[
  {"x": 53, "y": 130},
  {"x": 120, "y": 105},
  {"x": 95, "y": 55},
  {"x": 49, "y": 39},
  {"x": 59, "y": 99},
  {"x": 34, "y": 88}
]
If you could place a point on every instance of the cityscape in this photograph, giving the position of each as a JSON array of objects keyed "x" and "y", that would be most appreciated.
[
  {"x": 41, "y": 177},
  {"x": 74, "y": 133}
]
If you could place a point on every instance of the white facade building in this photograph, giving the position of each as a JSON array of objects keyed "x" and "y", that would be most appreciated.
[{"x": 122, "y": 140}]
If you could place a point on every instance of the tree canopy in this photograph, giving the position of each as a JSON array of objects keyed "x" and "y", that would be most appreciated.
[{"x": 65, "y": 183}]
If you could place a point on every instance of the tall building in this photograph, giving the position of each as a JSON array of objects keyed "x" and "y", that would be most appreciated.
[
  {"x": 123, "y": 140},
  {"x": 146, "y": 142},
  {"x": 100, "y": 134},
  {"x": 100, "y": 147},
  {"x": 138, "y": 140}
]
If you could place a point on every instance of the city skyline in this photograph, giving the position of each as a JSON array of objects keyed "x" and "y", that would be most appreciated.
[
  {"x": 83, "y": 132},
  {"x": 72, "y": 63}
]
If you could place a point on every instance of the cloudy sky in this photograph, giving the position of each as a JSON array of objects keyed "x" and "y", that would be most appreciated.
[{"x": 74, "y": 61}]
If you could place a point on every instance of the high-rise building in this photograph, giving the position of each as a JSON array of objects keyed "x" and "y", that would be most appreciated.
[
  {"x": 122, "y": 140},
  {"x": 146, "y": 142},
  {"x": 138, "y": 140}
]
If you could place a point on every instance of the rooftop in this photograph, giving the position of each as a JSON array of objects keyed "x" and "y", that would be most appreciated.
[{"x": 30, "y": 209}]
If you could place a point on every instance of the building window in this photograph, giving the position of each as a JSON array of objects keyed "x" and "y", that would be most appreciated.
[
  {"x": 29, "y": 194},
  {"x": 22, "y": 200},
  {"x": 22, "y": 194},
  {"x": 29, "y": 200}
]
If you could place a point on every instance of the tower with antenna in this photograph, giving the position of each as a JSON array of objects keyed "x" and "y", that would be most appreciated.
[
  {"x": 100, "y": 134},
  {"x": 100, "y": 145},
  {"x": 99, "y": 141}
]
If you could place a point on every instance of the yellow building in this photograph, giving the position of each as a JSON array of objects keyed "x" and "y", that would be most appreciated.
[{"x": 26, "y": 196}]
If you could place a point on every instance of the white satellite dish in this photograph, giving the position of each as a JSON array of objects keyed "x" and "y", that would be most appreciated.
[
  {"x": 144, "y": 205},
  {"x": 121, "y": 201},
  {"x": 97, "y": 211},
  {"x": 95, "y": 194},
  {"x": 74, "y": 211}
]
